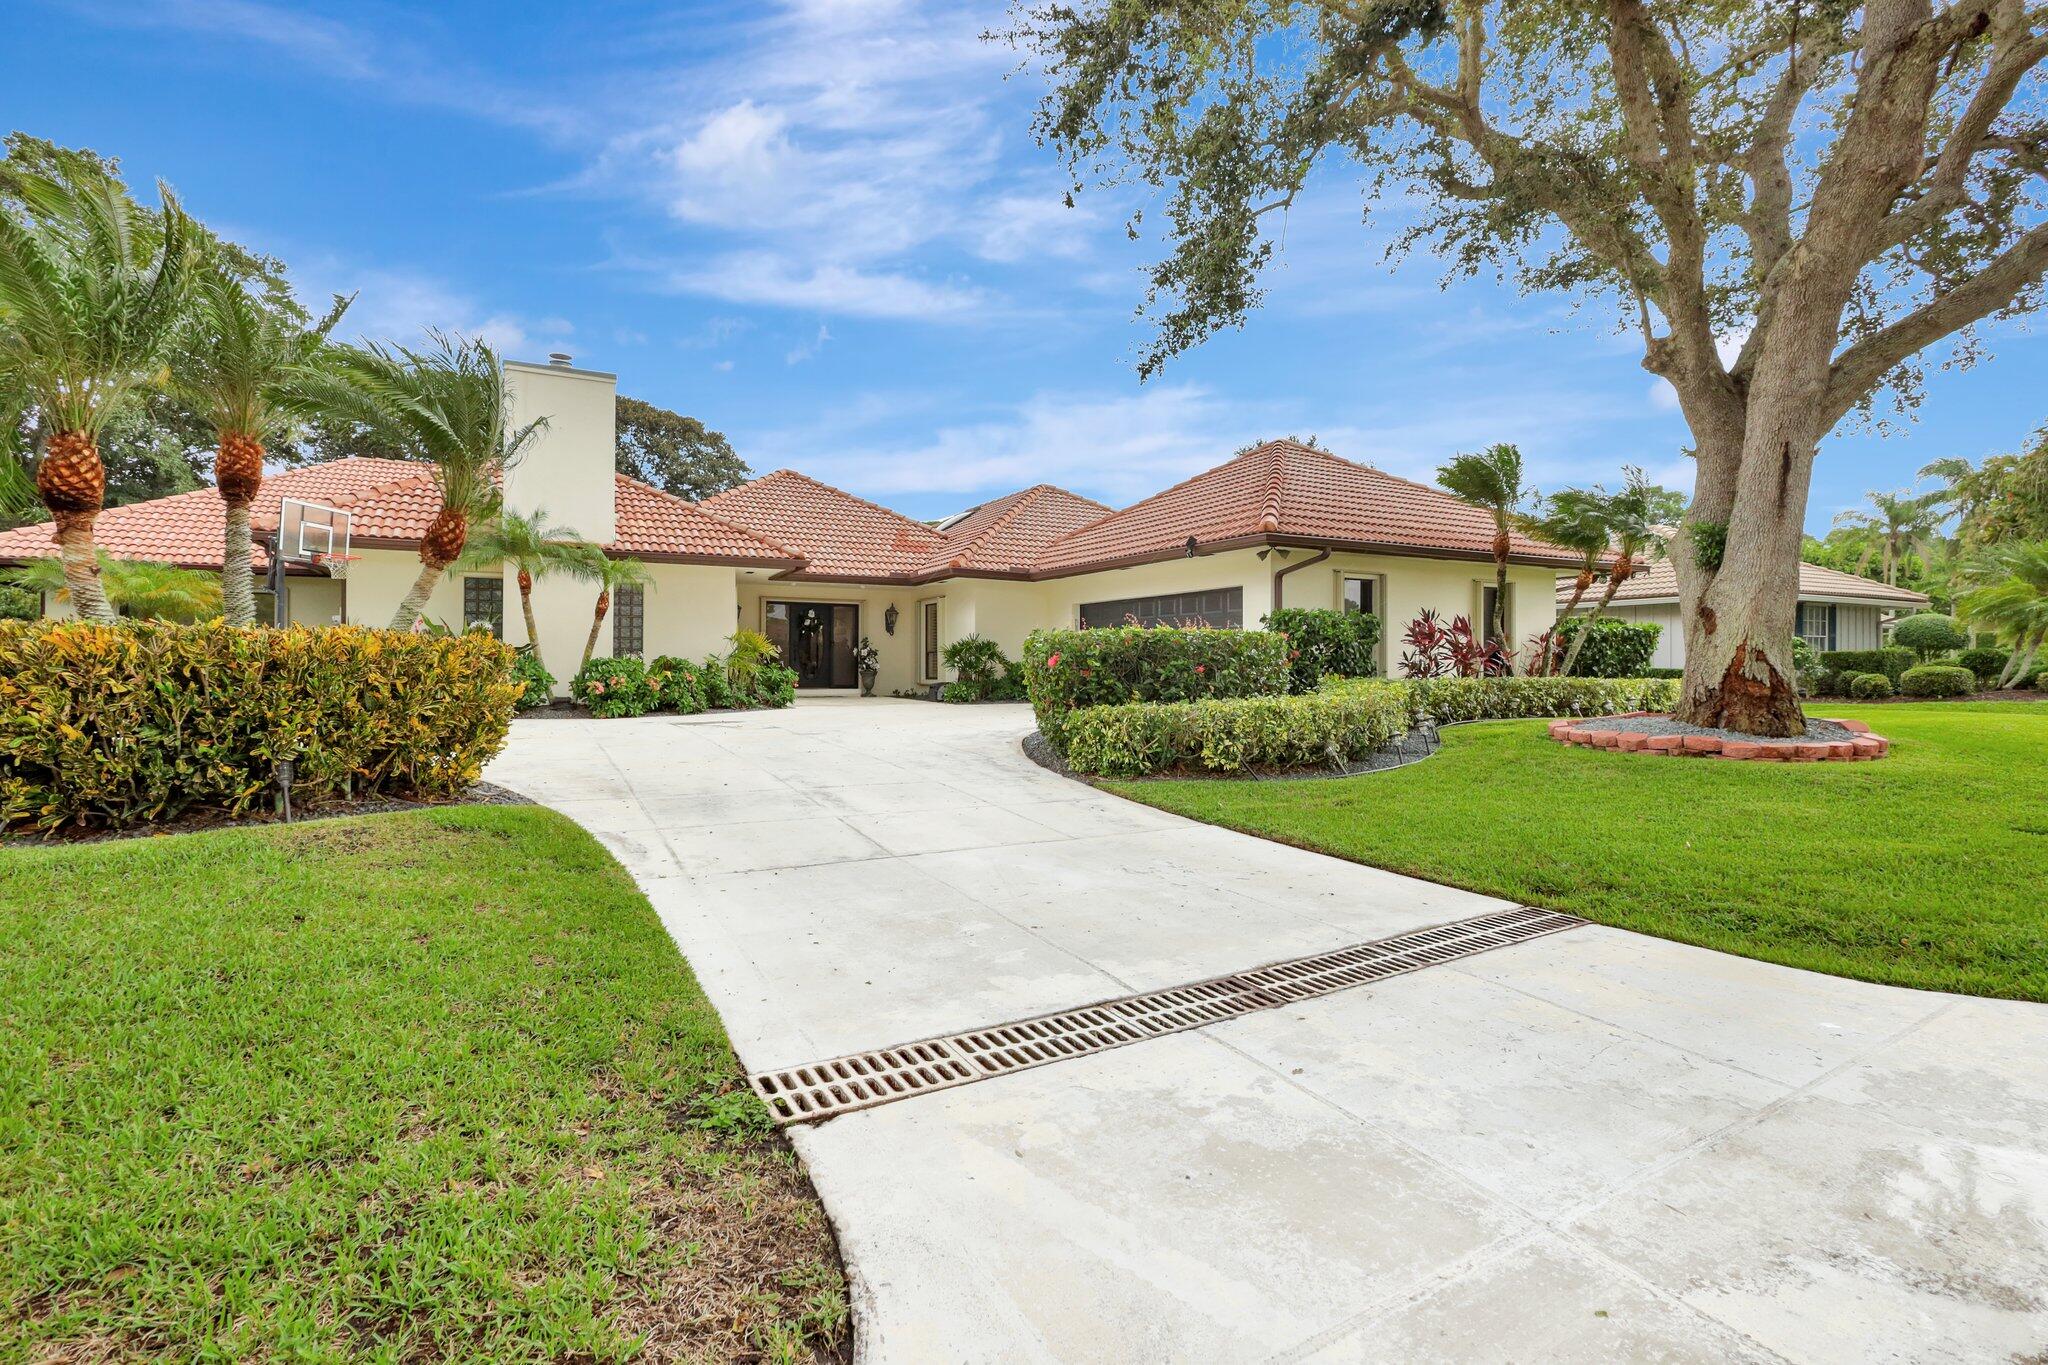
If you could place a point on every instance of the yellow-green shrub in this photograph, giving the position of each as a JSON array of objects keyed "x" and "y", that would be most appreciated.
[
  {"x": 115, "y": 725},
  {"x": 1447, "y": 700},
  {"x": 1232, "y": 735}
]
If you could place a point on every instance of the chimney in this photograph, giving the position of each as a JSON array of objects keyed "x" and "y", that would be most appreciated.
[{"x": 560, "y": 358}]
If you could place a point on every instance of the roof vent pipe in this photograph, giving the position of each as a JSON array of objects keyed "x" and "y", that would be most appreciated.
[{"x": 559, "y": 358}]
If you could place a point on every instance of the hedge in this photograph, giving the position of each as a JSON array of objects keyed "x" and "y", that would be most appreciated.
[
  {"x": 1615, "y": 649},
  {"x": 1870, "y": 686},
  {"x": 1325, "y": 643},
  {"x": 1234, "y": 734},
  {"x": 117, "y": 725},
  {"x": 1845, "y": 663},
  {"x": 1938, "y": 680},
  {"x": 1987, "y": 664},
  {"x": 1445, "y": 701},
  {"x": 1065, "y": 670},
  {"x": 678, "y": 684}
]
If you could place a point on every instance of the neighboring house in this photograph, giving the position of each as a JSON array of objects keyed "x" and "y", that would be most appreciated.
[
  {"x": 816, "y": 569},
  {"x": 1836, "y": 610}
]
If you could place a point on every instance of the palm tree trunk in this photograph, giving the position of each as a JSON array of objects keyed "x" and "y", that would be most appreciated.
[
  {"x": 416, "y": 601},
  {"x": 526, "y": 610},
  {"x": 80, "y": 558},
  {"x": 1623, "y": 567},
  {"x": 237, "y": 581},
  {"x": 1579, "y": 586},
  {"x": 2023, "y": 651},
  {"x": 1500, "y": 611},
  {"x": 604, "y": 604}
]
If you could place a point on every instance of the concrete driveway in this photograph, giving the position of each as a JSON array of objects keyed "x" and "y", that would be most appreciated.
[{"x": 1591, "y": 1146}]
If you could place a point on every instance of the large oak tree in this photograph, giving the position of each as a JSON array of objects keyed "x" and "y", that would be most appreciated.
[{"x": 1833, "y": 186}]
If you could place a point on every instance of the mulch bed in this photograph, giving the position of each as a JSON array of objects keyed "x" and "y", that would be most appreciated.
[
  {"x": 1412, "y": 747},
  {"x": 196, "y": 822}
]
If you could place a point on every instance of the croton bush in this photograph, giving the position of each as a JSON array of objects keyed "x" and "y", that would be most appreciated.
[
  {"x": 1233, "y": 734},
  {"x": 1068, "y": 670},
  {"x": 107, "y": 726}
]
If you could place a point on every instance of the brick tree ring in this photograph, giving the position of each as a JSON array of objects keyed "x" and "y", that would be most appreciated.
[{"x": 1842, "y": 741}]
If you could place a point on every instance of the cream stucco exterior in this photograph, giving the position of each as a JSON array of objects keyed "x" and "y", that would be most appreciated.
[{"x": 1858, "y": 625}]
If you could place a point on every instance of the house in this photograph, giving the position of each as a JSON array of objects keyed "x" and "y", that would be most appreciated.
[
  {"x": 1836, "y": 610},
  {"x": 816, "y": 569}
]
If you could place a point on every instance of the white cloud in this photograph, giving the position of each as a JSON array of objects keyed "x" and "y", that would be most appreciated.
[
  {"x": 766, "y": 277},
  {"x": 798, "y": 354},
  {"x": 400, "y": 305}
]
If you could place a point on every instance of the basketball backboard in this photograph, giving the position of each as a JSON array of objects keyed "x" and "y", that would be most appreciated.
[{"x": 313, "y": 534}]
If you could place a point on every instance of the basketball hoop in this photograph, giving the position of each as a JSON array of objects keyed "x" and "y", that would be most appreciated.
[
  {"x": 335, "y": 564},
  {"x": 315, "y": 535}
]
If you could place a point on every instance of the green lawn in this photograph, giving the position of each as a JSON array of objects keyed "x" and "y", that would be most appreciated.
[
  {"x": 404, "y": 1087},
  {"x": 1928, "y": 868}
]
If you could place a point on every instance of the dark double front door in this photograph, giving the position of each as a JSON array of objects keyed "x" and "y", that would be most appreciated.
[{"x": 817, "y": 640}]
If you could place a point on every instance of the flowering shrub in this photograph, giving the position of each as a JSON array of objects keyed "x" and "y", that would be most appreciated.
[
  {"x": 1446, "y": 700},
  {"x": 116, "y": 725},
  {"x": 1234, "y": 734},
  {"x": 1324, "y": 643},
  {"x": 678, "y": 684},
  {"x": 1065, "y": 670},
  {"x": 717, "y": 687},
  {"x": 612, "y": 688}
]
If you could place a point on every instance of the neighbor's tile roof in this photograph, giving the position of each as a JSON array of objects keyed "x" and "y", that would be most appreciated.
[
  {"x": 389, "y": 501},
  {"x": 1660, "y": 580},
  {"x": 839, "y": 535},
  {"x": 1283, "y": 491},
  {"x": 1008, "y": 534}
]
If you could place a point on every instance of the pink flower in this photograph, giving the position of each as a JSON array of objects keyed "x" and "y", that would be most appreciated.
[
  {"x": 1053, "y": 662},
  {"x": 597, "y": 689},
  {"x": 1201, "y": 668}
]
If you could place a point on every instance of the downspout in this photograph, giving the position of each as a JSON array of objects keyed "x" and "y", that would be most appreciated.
[{"x": 1278, "y": 574}]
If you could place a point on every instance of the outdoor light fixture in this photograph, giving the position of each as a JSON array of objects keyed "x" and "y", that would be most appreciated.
[
  {"x": 889, "y": 619},
  {"x": 1191, "y": 547}
]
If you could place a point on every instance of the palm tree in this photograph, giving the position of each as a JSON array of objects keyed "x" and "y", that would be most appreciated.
[
  {"x": 2010, "y": 597},
  {"x": 1573, "y": 519},
  {"x": 1492, "y": 482},
  {"x": 140, "y": 588},
  {"x": 90, "y": 290},
  {"x": 1898, "y": 523},
  {"x": 242, "y": 366},
  {"x": 446, "y": 405},
  {"x": 1638, "y": 521},
  {"x": 609, "y": 574},
  {"x": 538, "y": 548}
]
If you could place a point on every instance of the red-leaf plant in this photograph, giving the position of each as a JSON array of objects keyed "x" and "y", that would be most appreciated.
[{"x": 1439, "y": 651}]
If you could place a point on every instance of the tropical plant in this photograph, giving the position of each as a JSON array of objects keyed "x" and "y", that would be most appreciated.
[
  {"x": 536, "y": 547},
  {"x": 90, "y": 291},
  {"x": 2009, "y": 594},
  {"x": 446, "y": 405},
  {"x": 609, "y": 574},
  {"x": 139, "y": 588},
  {"x": 1436, "y": 650},
  {"x": 1788, "y": 203},
  {"x": 2004, "y": 498},
  {"x": 1638, "y": 518},
  {"x": 1896, "y": 524},
  {"x": 1492, "y": 482},
  {"x": 1575, "y": 519},
  {"x": 242, "y": 364}
]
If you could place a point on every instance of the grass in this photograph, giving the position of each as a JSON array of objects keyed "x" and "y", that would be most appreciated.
[
  {"x": 1924, "y": 869},
  {"x": 408, "y": 1087}
]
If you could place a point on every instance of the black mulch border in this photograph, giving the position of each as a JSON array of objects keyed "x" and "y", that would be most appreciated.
[
  {"x": 203, "y": 822},
  {"x": 1412, "y": 747}
]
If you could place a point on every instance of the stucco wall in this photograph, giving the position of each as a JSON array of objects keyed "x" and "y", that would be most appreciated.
[
  {"x": 1449, "y": 587},
  {"x": 379, "y": 580},
  {"x": 567, "y": 470},
  {"x": 690, "y": 610}
]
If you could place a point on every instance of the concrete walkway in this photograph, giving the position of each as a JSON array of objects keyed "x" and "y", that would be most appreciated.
[{"x": 1594, "y": 1146}]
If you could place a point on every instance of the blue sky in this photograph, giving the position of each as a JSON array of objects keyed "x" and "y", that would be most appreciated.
[{"x": 824, "y": 228}]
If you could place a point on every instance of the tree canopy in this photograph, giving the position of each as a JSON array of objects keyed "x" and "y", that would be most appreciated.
[{"x": 676, "y": 454}]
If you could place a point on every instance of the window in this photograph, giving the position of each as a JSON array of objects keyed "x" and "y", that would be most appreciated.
[
  {"x": 629, "y": 622},
  {"x": 483, "y": 601},
  {"x": 928, "y": 612},
  {"x": 1361, "y": 596},
  {"x": 1219, "y": 607},
  {"x": 1817, "y": 625}
]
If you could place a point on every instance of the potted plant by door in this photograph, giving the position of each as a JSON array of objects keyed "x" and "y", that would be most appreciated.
[{"x": 868, "y": 660}]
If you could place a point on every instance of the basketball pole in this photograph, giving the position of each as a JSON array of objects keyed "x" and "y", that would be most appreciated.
[{"x": 279, "y": 610}]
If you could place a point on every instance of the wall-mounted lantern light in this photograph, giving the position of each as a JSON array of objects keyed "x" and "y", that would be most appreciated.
[{"x": 889, "y": 619}]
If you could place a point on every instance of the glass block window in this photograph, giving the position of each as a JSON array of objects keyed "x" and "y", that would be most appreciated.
[
  {"x": 1219, "y": 607},
  {"x": 629, "y": 622},
  {"x": 930, "y": 613},
  {"x": 483, "y": 602}
]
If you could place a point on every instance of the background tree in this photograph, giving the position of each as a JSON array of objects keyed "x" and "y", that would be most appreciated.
[
  {"x": 243, "y": 367},
  {"x": 536, "y": 547},
  {"x": 1897, "y": 525},
  {"x": 1639, "y": 518},
  {"x": 89, "y": 294},
  {"x": 1492, "y": 482},
  {"x": 1575, "y": 519},
  {"x": 676, "y": 454},
  {"x": 2009, "y": 594},
  {"x": 141, "y": 588},
  {"x": 610, "y": 575},
  {"x": 445, "y": 405},
  {"x": 1838, "y": 185},
  {"x": 2004, "y": 498}
]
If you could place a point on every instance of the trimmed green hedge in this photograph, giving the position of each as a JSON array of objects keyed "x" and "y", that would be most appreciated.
[
  {"x": 1938, "y": 680},
  {"x": 1067, "y": 670},
  {"x": 118, "y": 725},
  {"x": 1234, "y": 734},
  {"x": 1615, "y": 649},
  {"x": 1846, "y": 663},
  {"x": 1985, "y": 663},
  {"x": 1446, "y": 701},
  {"x": 1870, "y": 686},
  {"x": 1325, "y": 643}
]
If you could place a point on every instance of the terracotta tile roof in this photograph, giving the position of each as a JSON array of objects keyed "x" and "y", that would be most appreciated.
[
  {"x": 1007, "y": 535},
  {"x": 390, "y": 502},
  {"x": 1285, "y": 491},
  {"x": 839, "y": 535},
  {"x": 1660, "y": 582}
]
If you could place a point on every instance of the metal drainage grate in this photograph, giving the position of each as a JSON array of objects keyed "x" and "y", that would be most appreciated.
[{"x": 823, "y": 1090}]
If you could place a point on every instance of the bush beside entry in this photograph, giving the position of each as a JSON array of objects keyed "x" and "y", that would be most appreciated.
[
  {"x": 115, "y": 725},
  {"x": 614, "y": 688},
  {"x": 981, "y": 672},
  {"x": 1325, "y": 643}
]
